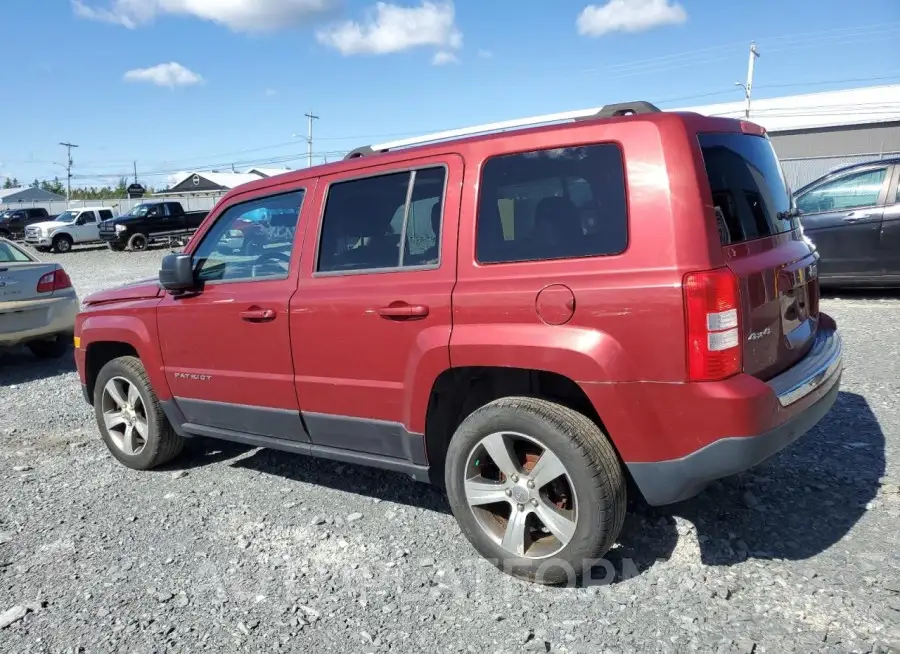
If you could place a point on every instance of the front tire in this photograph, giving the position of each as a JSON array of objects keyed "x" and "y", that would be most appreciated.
[
  {"x": 130, "y": 418},
  {"x": 536, "y": 487},
  {"x": 138, "y": 242},
  {"x": 62, "y": 244}
]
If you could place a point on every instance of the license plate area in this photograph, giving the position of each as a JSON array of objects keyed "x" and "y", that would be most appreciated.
[
  {"x": 19, "y": 321},
  {"x": 797, "y": 286}
]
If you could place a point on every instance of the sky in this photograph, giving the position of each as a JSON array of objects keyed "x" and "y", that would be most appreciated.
[{"x": 178, "y": 85}]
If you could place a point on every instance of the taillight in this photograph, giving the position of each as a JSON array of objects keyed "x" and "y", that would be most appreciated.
[
  {"x": 56, "y": 280},
  {"x": 712, "y": 311}
]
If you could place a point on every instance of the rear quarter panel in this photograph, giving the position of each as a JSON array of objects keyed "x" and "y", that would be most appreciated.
[{"x": 628, "y": 325}]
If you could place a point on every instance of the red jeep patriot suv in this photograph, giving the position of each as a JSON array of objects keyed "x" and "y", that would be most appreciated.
[{"x": 532, "y": 318}]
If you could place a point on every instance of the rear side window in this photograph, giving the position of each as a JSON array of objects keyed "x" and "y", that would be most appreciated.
[
  {"x": 552, "y": 204},
  {"x": 750, "y": 195},
  {"x": 105, "y": 214}
]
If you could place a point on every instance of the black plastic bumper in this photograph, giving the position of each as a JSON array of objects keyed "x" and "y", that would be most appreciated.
[{"x": 667, "y": 482}]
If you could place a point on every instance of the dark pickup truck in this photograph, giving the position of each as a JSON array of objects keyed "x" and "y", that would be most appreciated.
[
  {"x": 149, "y": 222},
  {"x": 14, "y": 221}
]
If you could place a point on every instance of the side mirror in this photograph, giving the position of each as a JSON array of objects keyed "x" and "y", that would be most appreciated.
[
  {"x": 80, "y": 220},
  {"x": 177, "y": 273}
]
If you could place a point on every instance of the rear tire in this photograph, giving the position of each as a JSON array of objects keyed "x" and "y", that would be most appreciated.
[
  {"x": 570, "y": 511},
  {"x": 116, "y": 247},
  {"x": 138, "y": 242},
  {"x": 52, "y": 349},
  {"x": 5, "y": 234},
  {"x": 130, "y": 418},
  {"x": 62, "y": 244}
]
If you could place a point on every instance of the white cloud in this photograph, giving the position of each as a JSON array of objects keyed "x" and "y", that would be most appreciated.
[
  {"x": 169, "y": 75},
  {"x": 392, "y": 28},
  {"x": 629, "y": 16},
  {"x": 238, "y": 15},
  {"x": 443, "y": 57}
]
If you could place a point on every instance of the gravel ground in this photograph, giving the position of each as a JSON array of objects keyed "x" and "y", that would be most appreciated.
[{"x": 236, "y": 549}]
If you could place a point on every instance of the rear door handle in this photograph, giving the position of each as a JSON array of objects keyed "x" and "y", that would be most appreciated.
[
  {"x": 403, "y": 311},
  {"x": 258, "y": 315}
]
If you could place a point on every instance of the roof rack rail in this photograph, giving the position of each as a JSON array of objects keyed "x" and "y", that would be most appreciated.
[
  {"x": 624, "y": 109},
  {"x": 606, "y": 111}
]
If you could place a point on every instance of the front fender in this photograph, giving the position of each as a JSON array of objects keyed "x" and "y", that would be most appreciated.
[{"x": 137, "y": 329}]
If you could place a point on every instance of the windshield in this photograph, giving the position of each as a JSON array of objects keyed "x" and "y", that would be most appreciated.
[
  {"x": 749, "y": 191},
  {"x": 139, "y": 210},
  {"x": 67, "y": 217}
]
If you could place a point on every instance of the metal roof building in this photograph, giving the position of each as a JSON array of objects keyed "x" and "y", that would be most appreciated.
[
  {"x": 12, "y": 196},
  {"x": 817, "y": 132}
]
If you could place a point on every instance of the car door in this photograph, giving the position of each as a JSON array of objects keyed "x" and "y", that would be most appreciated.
[
  {"x": 842, "y": 216},
  {"x": 371, "y": 319},
  {"x": 86, "y": 228},
  {"x": 105, "y": 214},
  {"x": 226, "y": 350},
  {"x": 889, "y": 245}
]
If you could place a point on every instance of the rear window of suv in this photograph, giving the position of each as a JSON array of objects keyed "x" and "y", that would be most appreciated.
[
  {"x": 750, "y": 195},
  {"x": 552, "y": 204}
]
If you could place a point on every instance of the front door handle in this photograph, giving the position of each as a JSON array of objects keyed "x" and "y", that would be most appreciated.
[
  {"x": 256, "y": 314},
  {"x": 403, "y": 311},
  {"x": 855, "y": 216}
]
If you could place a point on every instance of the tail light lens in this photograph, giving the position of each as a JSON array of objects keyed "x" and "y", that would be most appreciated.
[
  {"x": 56, "y": 280},
  {"x": 712, "y": 311}
]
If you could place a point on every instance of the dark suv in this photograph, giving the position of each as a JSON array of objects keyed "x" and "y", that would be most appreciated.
[
  {"x": 14, "y": 221},
  {"x": 528, "y": 318}
]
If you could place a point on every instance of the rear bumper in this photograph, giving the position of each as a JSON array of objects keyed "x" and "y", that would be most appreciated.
[
  {"x": 41, "y": 319},
  {"x": 803, "y": 395}
]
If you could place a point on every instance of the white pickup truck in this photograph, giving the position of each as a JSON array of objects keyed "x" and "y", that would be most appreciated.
[{"x": 67, "y": 229}]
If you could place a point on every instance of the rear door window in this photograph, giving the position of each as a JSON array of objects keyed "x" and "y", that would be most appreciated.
[
  {"x": 105, "y": 214},
  {"x": 552, "y": 204},
  {"x": 749, "y": 192},
  {"x": 384, "y": 222}
]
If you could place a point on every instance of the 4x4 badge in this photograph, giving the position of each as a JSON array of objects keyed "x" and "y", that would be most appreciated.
[{"x": 755, "y": 336}]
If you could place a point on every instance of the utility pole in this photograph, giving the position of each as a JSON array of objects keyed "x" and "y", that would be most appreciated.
[
  {"x": 135, "y": 172},
  {"x": 748, "y": 87},
  {"x": 69, "y": 147},
  {"x": 309, "y": 138}
]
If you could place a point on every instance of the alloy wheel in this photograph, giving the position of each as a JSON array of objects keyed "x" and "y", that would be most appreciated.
[
  {"x": 521, "y": 495},
  {"x": 125, "y": 416}
]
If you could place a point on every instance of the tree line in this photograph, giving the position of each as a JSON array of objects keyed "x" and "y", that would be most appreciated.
[{"x": 78, "y": 193}]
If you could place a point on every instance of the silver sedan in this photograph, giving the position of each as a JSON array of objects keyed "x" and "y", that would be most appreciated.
[{"x": 38, "y": 304}]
